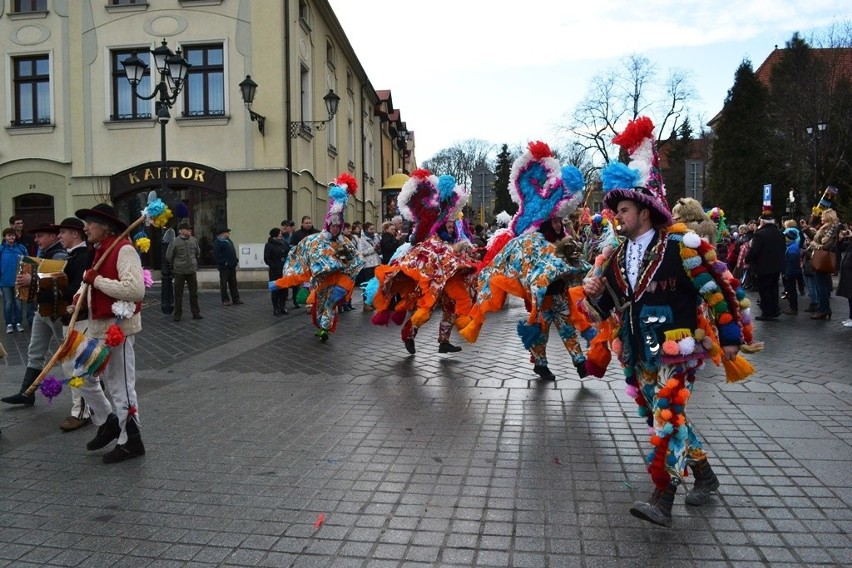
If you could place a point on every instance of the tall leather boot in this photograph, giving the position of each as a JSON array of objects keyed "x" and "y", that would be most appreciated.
[
  {"x": 658, "y": 509},
  {"x": 107, "y": 432},
  {"x": 133, "y": 448},
  {"x": 705, "y": 483},
  {"x": 21, "y": 398}
]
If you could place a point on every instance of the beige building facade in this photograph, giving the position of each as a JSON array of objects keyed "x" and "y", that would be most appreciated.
[{"x": 75, "y": 134}]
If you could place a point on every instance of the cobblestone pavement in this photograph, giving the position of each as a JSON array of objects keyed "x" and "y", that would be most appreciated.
[{"x": 268, "y": 448}]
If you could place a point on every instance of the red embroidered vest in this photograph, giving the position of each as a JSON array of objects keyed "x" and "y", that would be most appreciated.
[{"x": 101, "y": 304}]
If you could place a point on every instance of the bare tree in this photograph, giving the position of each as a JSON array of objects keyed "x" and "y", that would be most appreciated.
[
  {"x": 461, "y": 159},
  {"x": 624, "y": 93}
]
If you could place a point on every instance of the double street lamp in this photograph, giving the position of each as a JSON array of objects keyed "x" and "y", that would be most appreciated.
[
  {"x": 172, "y": 68},
  {"x": 815, "y": 132}
]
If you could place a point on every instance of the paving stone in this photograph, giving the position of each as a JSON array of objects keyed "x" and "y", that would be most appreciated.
[{"x": 425, "y": 460}]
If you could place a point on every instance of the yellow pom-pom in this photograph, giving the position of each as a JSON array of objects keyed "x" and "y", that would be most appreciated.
[
  {"x": 75, "y": 382},
  {"x": 745, "y": 303},
  {"x": 699, "y": 334},
  {"x": 143, "y": 244}
]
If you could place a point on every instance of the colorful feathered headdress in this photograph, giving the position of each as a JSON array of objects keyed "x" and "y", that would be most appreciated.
[
  {"x": 418, "y": 202},
  {"x": 339, "y": 191},
  {"x": 429, "y": 201},
  {"x": 640, "y": 180},
  {"x": 542, "y": 188},
  {"x": 451, "y": 200}
]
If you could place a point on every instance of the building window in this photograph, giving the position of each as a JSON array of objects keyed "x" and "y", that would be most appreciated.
[
  {"x": 32, "y": 90},
  {"x": 127, "y": 2},
  {"x": 126, "y": 105},
  {"x": 24, "y": 6},
  {"x": 349, "y": 83},
  {"x": 350, "y": 140},
  {"x": 204, "y": 92},
  {"x": 329, "y": 54},
  {"x": 304, "y": 13},
  {"x": 305, "y": 94}
]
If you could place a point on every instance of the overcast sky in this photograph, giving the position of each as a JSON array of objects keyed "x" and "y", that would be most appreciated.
[{"x": 513, "y": 71}]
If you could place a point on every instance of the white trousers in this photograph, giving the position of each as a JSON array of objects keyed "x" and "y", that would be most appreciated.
[{"x": 119, "y": 377}]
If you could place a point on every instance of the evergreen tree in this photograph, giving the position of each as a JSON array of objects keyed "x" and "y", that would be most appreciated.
[
  {"x": 502, "y": 200},
  {"x": 740, "y": 164},
  {"x": 678, "y": 149}
]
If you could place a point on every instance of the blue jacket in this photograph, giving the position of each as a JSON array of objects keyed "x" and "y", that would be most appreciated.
[
  {"x": 792, "y": 260},
  {"x": 224, "y": 253},
  {"x": 9, "y": 258}
]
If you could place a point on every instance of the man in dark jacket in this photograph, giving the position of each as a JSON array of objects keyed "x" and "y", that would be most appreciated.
[
  {"x": 183, "y": 254},
  {"x": 225, "y": 257},
  {"x": 274, "y": 254},
  {"x": 766, "y": 261}
]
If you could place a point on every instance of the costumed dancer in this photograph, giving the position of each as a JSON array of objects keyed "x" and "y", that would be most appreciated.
[
  {"x": 438, "y": 270},
  {"x": 327, "y": 259},
  {"x": 533, "y": 260},
  {"x": 656, "y": 284},
  {"x": 114, "y": 298}
]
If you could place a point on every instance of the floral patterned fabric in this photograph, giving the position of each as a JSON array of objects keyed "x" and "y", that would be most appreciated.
[
  {"x": 417, "y": 280},
  {"x": 329, "y": 264},
  {"x": 525, "y": 267}
]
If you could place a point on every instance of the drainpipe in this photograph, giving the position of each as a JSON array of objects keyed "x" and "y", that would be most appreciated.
[
  {"x": 363, "y": 162},
  {"x": 287, "y": 115}
]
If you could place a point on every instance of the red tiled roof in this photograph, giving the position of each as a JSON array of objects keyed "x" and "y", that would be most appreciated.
[{"x": 839, "y": 57}]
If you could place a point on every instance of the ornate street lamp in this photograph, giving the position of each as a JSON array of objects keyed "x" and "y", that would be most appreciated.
[
  {"x": 172, "y": 68},
  {"x": 247, "y": 89},
  {"x": 331, "y": 101}
]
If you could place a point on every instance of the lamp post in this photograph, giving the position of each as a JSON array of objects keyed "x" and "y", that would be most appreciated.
[
  {"x": 482, "y": 205},
  {"x": 815, "y": 132},
  {"x": 172, "y": 68}
]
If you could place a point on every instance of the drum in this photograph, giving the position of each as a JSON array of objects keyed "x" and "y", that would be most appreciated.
[{"x": 51, "y": 294}]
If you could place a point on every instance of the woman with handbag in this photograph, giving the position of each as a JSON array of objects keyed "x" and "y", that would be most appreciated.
[{"x": 823, "y": 261}]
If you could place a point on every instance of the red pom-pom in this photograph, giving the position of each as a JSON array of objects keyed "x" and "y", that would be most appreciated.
[
  {"x": 656, "y": 440},
  {"x": 133, "y": 411},
  {"x": 540, "y": 150},
  {"x": 114, "y": 336},
  {"x": 349, "y": 181},
  {"x": 636, "y": 132},
  {"x": 421, "y": 173}
]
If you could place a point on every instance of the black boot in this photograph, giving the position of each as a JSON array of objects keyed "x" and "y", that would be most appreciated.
[
  {"x": 133, "y": 448},
  {"x": 21, "y": 398},
  {"x": 705, "y": 483},
  {"x": 658, "y": 509},
  {"x": 544, "y": 372},
  {"x": 107, "y": 432},
  {"x": 448, "y": 348},
  {"x": 409, "y": 346}
]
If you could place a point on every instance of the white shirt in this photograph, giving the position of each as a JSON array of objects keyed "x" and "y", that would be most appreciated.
[{"x": 635, "y": 253}]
